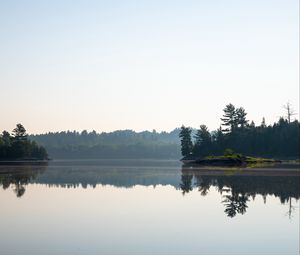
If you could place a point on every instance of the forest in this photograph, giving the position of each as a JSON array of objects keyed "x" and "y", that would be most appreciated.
[
  {"x": 17, "y": 146},
  {"x": 279, "y": 140},
  {"x": 118, "y": 144},
  {"x": 236, "y": 133}
]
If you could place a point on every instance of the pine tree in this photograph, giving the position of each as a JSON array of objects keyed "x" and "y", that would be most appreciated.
[
  {"x": 240, "y": 117},
  {"x": 186, "y": 141},
  {"x": 203, "y": 141},
  {"x": 20, "y": 133},
  {"x": 229, "y": 117}
]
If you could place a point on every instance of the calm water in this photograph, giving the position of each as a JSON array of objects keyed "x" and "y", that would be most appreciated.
[{"x": 144, "y": 207}]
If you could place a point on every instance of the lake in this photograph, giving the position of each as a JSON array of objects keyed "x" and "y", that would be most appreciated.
[{"x": 145, "y": 207}]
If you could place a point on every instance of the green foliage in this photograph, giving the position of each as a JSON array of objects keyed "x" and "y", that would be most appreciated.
[
  {"x": 186, "y": 141},
  {"x": 229, "y": 117},
  {"x": 258, "y": 160},
  {"x": 240, "y": 117},
  {"x": 234, "y": 118},
  {"x": 233, "y": 156},
  {"x": 203, "y": 141},
  {"x": 228, "y": 152},
  {"x": 19, "y": 132},
  {"x": 19, "y": 147},
  {"x": 117, "y": 144},
  {"x": 281, "y": 140}
]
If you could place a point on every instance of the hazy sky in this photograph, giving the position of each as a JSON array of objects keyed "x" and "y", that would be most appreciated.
[{"x": 108, "y": 65}]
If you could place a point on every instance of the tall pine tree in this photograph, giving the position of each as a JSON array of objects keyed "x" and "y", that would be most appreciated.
[
  {"x": 186, "y": 141},
  {"x": 229, "y": 118},
  {"x": 203, "y": 142}
]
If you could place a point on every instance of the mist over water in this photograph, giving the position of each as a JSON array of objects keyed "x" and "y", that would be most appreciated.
[{"x": 145, "y": 207}]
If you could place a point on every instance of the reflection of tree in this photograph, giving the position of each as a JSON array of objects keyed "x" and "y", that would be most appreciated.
[
  {"x": 186, "y": 183},
  {"x": 19, "y": 189},
  {"x": 235, "y": 203},
  {"x": 291, "y": 209},
  {"x": 19, "y": 176},
  {"x": 203, "y": 184},
  {"x": 230, "y": 204},
  {"x": 245, "y": 187}
]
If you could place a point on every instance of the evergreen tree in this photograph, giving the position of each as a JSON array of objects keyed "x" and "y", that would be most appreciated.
[
  {"x": 186, "y": 141},
  {"x": 229, "y": 118},
  {"x": 19, "y": 147},
  {"x": 280, "y": 140},
  {"x": 240, "y": 117},
  {"x": 20, "y": 133},
  {"x": 6, "y": 138},
  {"x": 203, "y": 141},
  {"x": 252, "y": 124}
]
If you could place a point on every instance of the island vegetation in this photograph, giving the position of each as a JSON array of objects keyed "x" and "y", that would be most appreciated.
[
  {"x": 17, "y": 146},
  {"x": 261, "y": 143}
]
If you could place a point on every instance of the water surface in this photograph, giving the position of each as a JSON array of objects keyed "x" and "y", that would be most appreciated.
[{"x": 145, "y": 207}]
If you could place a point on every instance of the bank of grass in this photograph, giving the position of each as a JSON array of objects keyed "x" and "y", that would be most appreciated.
[
  {"x": 229, "y": 157},
  {"x": 260, "y": 160},
  {"x": 246, "y": 159}
]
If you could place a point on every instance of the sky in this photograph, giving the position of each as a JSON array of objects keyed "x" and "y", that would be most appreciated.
[{"x": 143, "y": 65}]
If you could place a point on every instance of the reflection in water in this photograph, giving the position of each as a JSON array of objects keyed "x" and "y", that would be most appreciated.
[
  {"x": 186, "y": 183},
  {"x": 74, "y": 176},
  {"x": 239, "y": 189},
  {"x": 19, "y": 176},
  {"x": 235, "y": 203},
  {"x": 236, "y": 190}
]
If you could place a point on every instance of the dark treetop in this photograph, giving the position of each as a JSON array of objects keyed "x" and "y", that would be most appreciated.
[
  {"x": 18, "y": 147},
  {"x": 280, "y": 140}
]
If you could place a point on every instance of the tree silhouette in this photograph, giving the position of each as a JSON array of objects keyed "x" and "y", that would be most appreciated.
[
  {"x": 18, "y": 147},
  {"x": 235, "y": 203},
  {"x": 186, "y": 183},
  {"x": 289, "y": 111},
  {"x": 241, "y": 120},
  {"x": 186, "y": 141},
  {"x": 20, "y": 132},
  {"x": 203, "y": 183},
  {"x": 280, "y": 140},
  {"x": 203, "y": 141},
  {"x": 229, "y": 117}
]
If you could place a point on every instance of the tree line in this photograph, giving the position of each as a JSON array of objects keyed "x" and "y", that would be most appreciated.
[
  {"x": 280, "y": 140},
  {"x": 17, "y": 146},
  {"x": 116, "y": 144}
]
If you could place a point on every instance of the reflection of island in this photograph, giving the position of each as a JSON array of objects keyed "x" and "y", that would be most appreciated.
[
  {"x": 239, "y": 189},
  {"x": 236, "y": 189},
  {"x": 19, "y": 176}
]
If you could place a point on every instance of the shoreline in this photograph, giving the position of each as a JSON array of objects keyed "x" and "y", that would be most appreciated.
[
  {"x": 276, "y": 169},
  {"x": 23, "y": 162}
]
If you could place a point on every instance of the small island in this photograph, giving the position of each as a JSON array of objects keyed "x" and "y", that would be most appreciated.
[
  {"x": 17, "y": 147},
  {"x": 229, "y": 159},
  {"x": 256, "y": 145}
]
